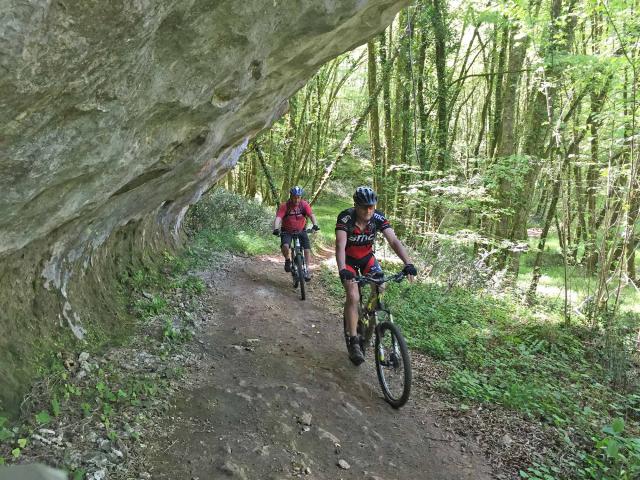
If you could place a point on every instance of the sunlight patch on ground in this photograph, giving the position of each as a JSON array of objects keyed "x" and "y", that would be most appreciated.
[
  {"x": 262, "y": 292},
  {"x": 330, "y": 263},
  {"x": 546, "y": 288},
  {"x": 274, "y": 258},
  {"x": 557, "y": 292}
]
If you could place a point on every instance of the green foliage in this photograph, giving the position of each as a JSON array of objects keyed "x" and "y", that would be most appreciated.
[
  {"x": 43, "y": 417},
  {"x": 509, "y": 171},
  {"x": 55, "y": 405},
  {"x": 79, "y": 474},
  {"x": 174, "y": 335},
  {"x": 503, "y": 353},
  {"x": 540, "y": 472},
  {"x": 189, "y": 283},
  {"x": 139, "y": 279},
  {"x": 17, "y": 451},
  {"x": 222, "y": 222},
  {"x": 86, "y": 409},
  {"x": 326, "y": 211},
  {"x": 5, "y": 433},
  {"x": 148, "y": 307},
  {"x": 220, "y": 209},
  {"x": 615, "y": 456}
]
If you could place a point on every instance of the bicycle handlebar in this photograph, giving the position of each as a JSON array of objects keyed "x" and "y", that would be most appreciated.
[
  {"x": 398, "y": 277},
  {"x": 298, "y": 232}
]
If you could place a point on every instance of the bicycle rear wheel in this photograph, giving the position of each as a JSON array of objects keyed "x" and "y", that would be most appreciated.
[
  {"x": 393, "y": 364},
  {"x": 294, "y": 273},
  {"x": 300, "y": 271}
]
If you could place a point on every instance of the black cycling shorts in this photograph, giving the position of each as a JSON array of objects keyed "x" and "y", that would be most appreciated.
[{"x": 285, "y": 239}]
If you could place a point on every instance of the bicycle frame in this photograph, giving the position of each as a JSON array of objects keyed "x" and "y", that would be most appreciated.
[
  {"x": 374, "y": 302},
  {"x": 297, "y": 252},
  {"x": 390, "y": 348},
  {"x": 296, "y": 249},
  {"x": 367, "y": 310}
]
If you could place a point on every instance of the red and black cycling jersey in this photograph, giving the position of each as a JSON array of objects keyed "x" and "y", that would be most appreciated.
[{"x": 360, "y": 242}]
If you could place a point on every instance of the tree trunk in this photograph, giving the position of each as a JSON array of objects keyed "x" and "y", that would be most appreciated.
[
  {"x": 594, "y": 123},
  {"x": 631, "y": 239},
  {"x": 440, "y": 41},
  {"x": 495, "y": 135},
  {"x": 374, "y": 117},
  {"x": 551, "y": 212},
  {"x": 506, "y": 146},
  {"x": 422, "y": 115},
  {"x": 386, "y": 106},
  {"x": 346, "y": 143}
]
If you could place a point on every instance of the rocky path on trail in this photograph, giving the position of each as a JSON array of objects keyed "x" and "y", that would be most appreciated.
[{"x": 272, "y": 395}]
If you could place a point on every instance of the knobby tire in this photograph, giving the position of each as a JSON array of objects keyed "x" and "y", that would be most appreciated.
[
  {"x": 393, "y": 400},
  {"x": 300, "y": 272}
]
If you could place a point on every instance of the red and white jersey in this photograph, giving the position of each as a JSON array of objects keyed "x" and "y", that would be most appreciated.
[{"x": 294, "y": 217}]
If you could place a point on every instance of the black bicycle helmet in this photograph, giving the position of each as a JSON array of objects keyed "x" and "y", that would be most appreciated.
[
  {"x": 365, "y": 196},
  {"x": 296, "y": 191}
]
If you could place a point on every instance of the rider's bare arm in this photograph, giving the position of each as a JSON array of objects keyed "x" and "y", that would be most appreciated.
[
  {"x": 277, "y": 222},
  {"x": 341, "y": 243},
  {"x": 313, "y": 218},
  {"x": 396, "y": 245}
]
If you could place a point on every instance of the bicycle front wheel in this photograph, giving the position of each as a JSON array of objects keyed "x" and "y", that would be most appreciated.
[
  {"x": 300, "y": 269},
  {"x": 393, "y": 364}
]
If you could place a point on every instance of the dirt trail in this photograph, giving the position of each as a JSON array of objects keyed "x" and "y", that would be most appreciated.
[{"x": 274, "y": 396}]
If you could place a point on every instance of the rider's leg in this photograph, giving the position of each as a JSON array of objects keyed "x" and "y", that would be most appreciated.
[
  {"x": 286, "y": 253},
  {"x": 307, "y": 259},
  {"x": 351, "y": 307},
  {"x": 351, "y": 316}
]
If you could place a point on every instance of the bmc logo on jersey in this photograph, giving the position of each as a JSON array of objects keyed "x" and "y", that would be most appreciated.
[{"x": 362, "y": 238}]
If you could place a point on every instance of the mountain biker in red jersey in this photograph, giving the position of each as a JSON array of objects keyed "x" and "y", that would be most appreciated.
[
  {"x": 356, "y": 229},
  {"x": 292, "y": 217}
]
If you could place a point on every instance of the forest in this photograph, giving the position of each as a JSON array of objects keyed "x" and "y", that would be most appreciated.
[{"x": 502, "y": 139}]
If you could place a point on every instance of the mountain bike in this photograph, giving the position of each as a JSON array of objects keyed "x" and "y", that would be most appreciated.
[
  {"x": 375, "y": 325},
  {"x": 298, "y": 263}
]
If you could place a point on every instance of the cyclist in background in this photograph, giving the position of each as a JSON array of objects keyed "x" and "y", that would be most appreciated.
[
  {"x": 356, "y": 230},
  {"x": 292, "y": 217}
]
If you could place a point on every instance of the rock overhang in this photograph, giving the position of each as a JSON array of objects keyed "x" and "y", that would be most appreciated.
[{"x": 121, "y": 114}]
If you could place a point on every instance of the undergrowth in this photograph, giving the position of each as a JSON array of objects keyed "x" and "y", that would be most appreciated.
[
  {"x": 501, "y": 352},
  {"x": 161, "y": 298}
]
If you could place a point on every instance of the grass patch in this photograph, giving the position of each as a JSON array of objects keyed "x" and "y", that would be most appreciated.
[
  {"x": 326, "y": 211},
  {"x": 227, "y": 222},
  {"x": 161, "y": 296},
  {"x": 579, "y": 284}
]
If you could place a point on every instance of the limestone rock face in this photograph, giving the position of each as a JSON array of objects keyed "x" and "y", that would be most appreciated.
[{"x": 115, "y": 116}]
